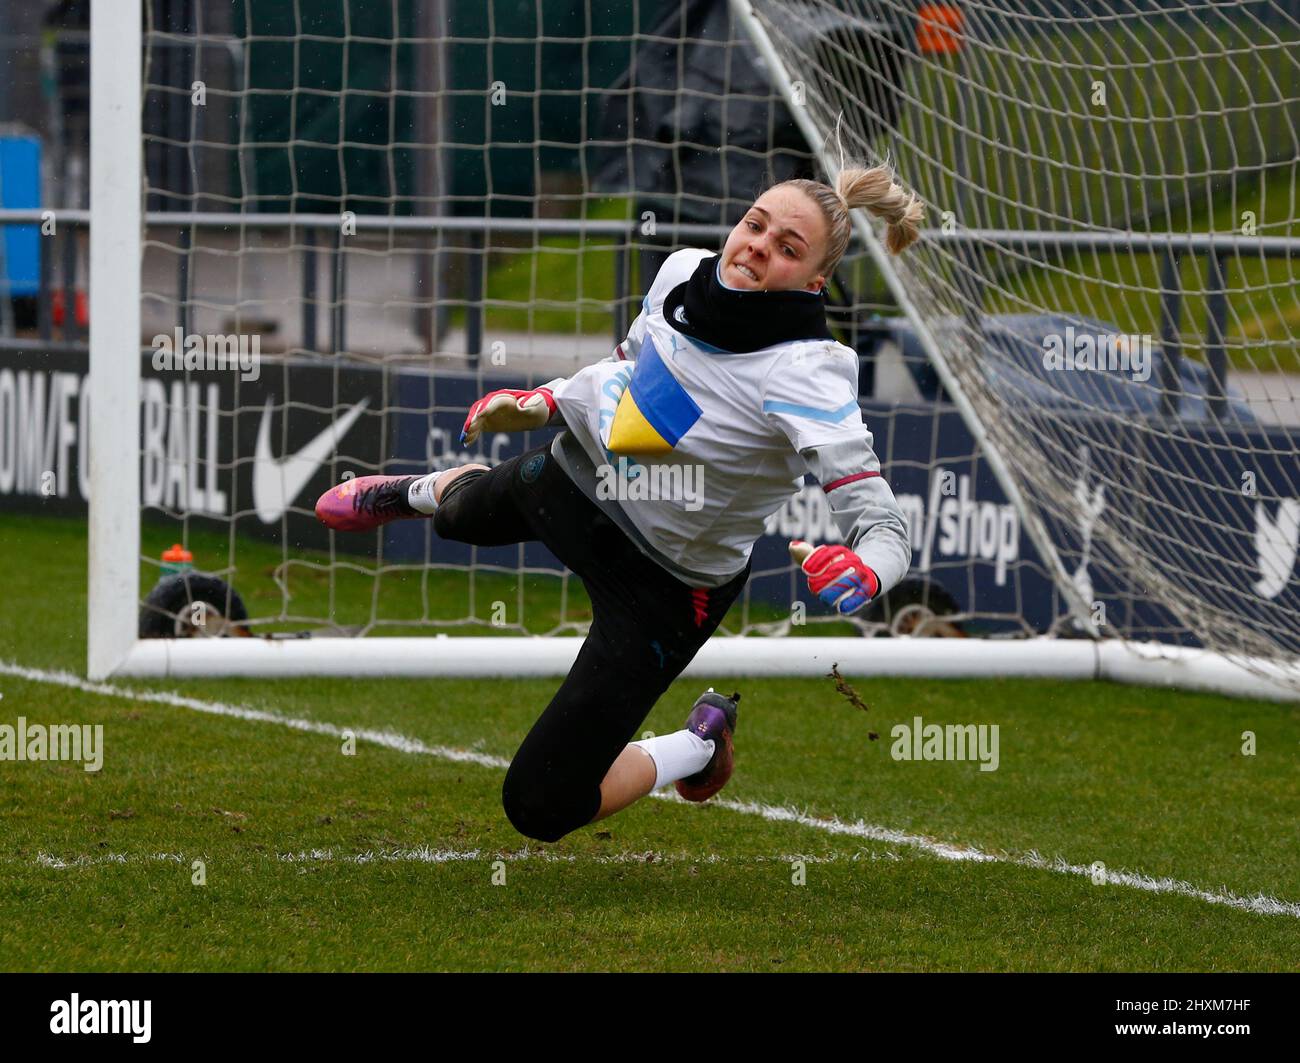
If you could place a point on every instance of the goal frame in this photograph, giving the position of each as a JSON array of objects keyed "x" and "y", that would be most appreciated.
[
  {"x": 113, "y": 648},
  {"x": 116, "y": 237}
]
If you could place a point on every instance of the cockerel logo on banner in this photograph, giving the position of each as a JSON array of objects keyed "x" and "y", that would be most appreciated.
[{"x": 1276, "y": 543}]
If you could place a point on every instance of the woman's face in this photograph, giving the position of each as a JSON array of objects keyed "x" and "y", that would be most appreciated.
[{"x": 778, "y": 245}]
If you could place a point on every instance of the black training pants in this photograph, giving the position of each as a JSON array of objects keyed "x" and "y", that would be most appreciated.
[{"x": 646, "y": 627}]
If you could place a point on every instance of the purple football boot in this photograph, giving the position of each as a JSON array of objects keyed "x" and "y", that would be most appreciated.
[
  {"x": 713, "y": 717},
  {"x": 366, "y": 502}
]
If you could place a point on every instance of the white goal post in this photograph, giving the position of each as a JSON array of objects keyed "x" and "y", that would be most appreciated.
[
  {"x": 934, "y": 300},
  {"x": 115, "y": 253}
]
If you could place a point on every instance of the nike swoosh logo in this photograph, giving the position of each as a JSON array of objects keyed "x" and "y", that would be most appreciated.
[{"x": 278, "y": 481}]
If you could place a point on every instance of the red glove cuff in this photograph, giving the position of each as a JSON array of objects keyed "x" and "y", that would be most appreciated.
[
  {"x": 826, "y": 564},
  {"x": 550, "y": 402},
  {"x": 518, "y": 395}
]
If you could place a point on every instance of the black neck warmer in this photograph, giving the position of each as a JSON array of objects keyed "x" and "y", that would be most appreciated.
[{"x": 738, "y": 321}]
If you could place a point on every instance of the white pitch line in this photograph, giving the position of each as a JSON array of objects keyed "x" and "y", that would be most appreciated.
[
  {"x": 387, "y": 739},
  {"x": 1260, "y": 904},
  {"x": 60, "y": 864},
  {"x": 424, "y": 854}
]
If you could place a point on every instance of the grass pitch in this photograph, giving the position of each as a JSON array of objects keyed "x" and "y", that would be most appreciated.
[{"x": 401, "y": 860}]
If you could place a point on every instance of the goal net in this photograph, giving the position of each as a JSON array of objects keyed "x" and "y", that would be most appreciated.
[
  {"x": 360, "y": 217},
  {"x": 1112, "y": 289}
]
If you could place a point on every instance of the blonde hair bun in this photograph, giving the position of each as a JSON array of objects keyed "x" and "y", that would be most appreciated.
[
  {"x": 877, "y": 191},
  {"x": 873, "y": 188}
]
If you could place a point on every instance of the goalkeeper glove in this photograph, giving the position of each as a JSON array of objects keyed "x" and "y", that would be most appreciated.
[
  {"x": 836, "y": 575},
  {"x": 508, "y": 410}
]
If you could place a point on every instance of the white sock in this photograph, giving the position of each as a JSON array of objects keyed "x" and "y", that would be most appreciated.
[
  {"x": 420, "y": 493},
  {"x": 677, "y": 755}
]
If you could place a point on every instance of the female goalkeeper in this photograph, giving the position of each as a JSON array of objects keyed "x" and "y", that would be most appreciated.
[{"x": 730, "y": 382}]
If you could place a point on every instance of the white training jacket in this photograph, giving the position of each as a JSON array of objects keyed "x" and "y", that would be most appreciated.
[{"x": 757, "y": 421}]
